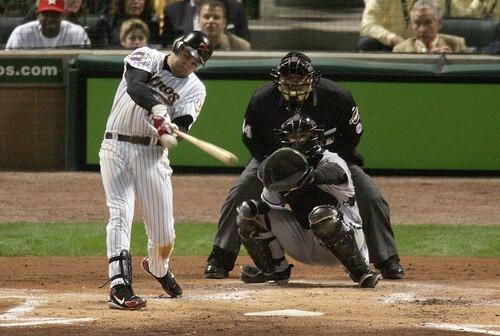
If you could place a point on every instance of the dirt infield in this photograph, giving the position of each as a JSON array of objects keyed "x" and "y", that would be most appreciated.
[{"x": 60, "y": 296}]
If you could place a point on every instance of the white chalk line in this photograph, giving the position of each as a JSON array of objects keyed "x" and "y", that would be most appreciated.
[
  {"x": 13, "y": 317},
  {"x": 473, "y": 328}
]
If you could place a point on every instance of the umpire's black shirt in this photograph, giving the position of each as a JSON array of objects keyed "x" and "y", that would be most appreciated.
[{"x": 330, "y": 106}]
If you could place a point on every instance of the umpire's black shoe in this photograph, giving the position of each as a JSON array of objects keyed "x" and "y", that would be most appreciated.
[
  {"x": 219, "y": 263},
  {"x": 251, "y": 274},
  {"x": 213, "y": 271},
  {"x": 391, "y": 268},
  {"x": 123, "y": 297},
  {"x": 167, "y": 282}
]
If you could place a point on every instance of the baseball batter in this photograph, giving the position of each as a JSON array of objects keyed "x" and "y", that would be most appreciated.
[
  {"x": 308, "y": 210},
  {"x": 157, "y": 94}
]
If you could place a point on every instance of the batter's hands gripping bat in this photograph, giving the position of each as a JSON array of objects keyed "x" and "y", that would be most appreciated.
[{"x": 220, "y": 154}]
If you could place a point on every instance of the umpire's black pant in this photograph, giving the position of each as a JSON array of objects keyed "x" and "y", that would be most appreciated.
[{"x": 373, "y": 209}]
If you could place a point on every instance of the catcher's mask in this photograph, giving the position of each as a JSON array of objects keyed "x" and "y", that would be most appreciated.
[
  {"x": 197, "y": 44},
  {"x": 295, "y": 77},
  {"x": 300, "y": 132}
]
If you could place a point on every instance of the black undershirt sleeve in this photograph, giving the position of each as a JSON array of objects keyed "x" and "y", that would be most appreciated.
[
  {"x": 137, "y": 88},
  {"x": 330, "y": 173},
  {"x": 141, "y": 94}
]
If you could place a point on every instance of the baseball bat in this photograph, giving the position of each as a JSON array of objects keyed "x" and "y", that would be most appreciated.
[{"x": 217, "y": 152}]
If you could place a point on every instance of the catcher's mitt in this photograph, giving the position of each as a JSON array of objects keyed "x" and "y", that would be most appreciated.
[{"x": 284, "y": 170}]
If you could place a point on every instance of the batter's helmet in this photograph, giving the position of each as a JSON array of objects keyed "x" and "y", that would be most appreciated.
[
  {"x": 300, "y": 132},
  {"x": 295, "y": 77},
  {"x": 197, "y": 44}
]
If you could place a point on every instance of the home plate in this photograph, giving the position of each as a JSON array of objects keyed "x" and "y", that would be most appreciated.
[{"x": 285, "y": 312}]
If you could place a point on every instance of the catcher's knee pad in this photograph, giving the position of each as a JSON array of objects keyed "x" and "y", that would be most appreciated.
[
  {"x": 251, "y": 218},
  {"x": 327, "y": 224},
  {"x": 124, "y": 259}
]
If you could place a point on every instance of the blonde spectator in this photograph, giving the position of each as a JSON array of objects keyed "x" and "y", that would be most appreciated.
[
  {"x": 213, "y": 22},
  {"x": 122, "y": 10},
  {"x": 134, "y": 33},
  {"x": 426, "y": 20}
]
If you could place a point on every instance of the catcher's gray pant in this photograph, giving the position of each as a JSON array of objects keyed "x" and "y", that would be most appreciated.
[
  {"x": 373, "y": 209},
  {"x": 302, "y": 245}
]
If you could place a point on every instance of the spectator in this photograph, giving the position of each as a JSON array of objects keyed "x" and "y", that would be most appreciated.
[
  {"x": 183, "y": 16},
  {"x": 122, "y": 10},
  {"x": 426, "y": 20},
  {"x": 386, "y": 23},
  {"x": 74, "y": 10},
  {"x": 159, "y": 5},
  {"x": 475, "y": 8},
  {"x": 97, "y": 7},
  {"x": 134, "y": 33},
  {"x": 49, "y": 31},
  {"x": 213, "y": 23},
  {"x": 15, "y": 7}
]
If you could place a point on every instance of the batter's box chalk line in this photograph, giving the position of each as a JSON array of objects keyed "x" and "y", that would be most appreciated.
[
  {"x": 14, "y": 316},
  {"x": 285, "y": 312},
  {"x": 472, "y": 328}
]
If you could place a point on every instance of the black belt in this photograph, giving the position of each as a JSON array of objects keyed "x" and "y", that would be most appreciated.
[{"x": 135, "y": 139}]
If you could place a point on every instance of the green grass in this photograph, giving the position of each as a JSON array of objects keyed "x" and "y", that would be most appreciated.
[{"x": 88, "y": 239}]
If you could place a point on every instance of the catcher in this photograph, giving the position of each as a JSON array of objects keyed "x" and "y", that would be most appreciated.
[{"x": 308, "y": 210}]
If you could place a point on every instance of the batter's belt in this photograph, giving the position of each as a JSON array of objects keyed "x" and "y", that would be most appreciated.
[{"x": 135, "y": 139}]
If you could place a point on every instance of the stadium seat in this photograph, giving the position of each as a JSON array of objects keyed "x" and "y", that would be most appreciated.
[
  {"x": 478, "y": 33},
  {"x": 7, "y": 25}
]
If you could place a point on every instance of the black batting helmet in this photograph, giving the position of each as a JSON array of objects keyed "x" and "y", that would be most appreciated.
[
  {"x": 301, "y": 132},
  {"x": 295, "y": 77},
  {"x": 197, "y": 44}
]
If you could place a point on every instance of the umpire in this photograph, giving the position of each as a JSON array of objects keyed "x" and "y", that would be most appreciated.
[{"x": 298, "y": 88}]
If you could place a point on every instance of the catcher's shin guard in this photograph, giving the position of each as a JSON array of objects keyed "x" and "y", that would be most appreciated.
[
  {"x": 255, "y": 234},
  {"x": 327, "y": 224},
  {"x": 124, "y": 259}
]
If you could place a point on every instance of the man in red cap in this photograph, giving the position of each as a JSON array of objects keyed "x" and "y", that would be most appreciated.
[{"x": 49, "y": 31}]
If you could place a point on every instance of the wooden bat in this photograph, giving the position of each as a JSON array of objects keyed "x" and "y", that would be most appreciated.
[{"x": 217, "y": 152}]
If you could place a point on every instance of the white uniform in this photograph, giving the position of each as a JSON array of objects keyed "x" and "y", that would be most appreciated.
[
  {"x": 128, "y": 169},
  {"x": 29, "y": 36},
  {"x": 300, "y": 243}
]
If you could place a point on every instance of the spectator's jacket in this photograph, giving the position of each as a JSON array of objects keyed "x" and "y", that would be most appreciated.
[
  {"x": 479, "y": 8},
  {"x": 229, "y": 41},
  {"x": 412, "y": 45},
  {"x": 29, "y": 36},
  {"x": 178, "y": 20},
  {"x": 383, "y": 19}
]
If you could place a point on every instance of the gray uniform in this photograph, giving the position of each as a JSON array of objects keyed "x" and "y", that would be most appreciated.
[{"x": 300, "y": 243}]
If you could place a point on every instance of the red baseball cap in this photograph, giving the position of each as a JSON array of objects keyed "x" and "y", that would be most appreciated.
[{"x": 50, "y": 6}]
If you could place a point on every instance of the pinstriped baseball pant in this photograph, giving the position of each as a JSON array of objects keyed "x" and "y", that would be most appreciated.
[{"x": 128, "y": 170}]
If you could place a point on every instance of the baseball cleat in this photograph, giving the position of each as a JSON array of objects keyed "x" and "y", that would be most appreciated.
[
  {"x": 369, "y": 280},
  {"x": 391, "y": 268},
  {"x": 123, "y": 297},
  {"x": 251, "y": 274},
  {"x": 167, "y": 282}
]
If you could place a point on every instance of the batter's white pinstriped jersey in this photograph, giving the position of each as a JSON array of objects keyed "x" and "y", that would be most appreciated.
[
  {"x": 29, "y": 35},
  {"x": 182, "y": 96}
]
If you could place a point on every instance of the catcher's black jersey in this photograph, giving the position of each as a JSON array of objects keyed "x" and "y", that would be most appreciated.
[{"x": 330, "y": 106}]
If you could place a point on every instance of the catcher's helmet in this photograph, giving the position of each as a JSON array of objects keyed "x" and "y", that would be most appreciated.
[
  {"x": 295, "y": 77},
  {"x": 300, "y": 132},
  {"x": 197, "y": 44}
]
